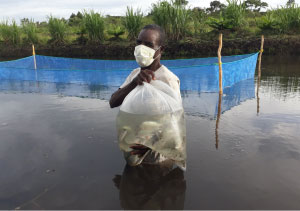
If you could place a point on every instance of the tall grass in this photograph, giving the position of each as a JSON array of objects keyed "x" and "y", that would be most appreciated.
[
  {"x": 10, "y": 33},
  {"x": 116, "y": 32},
  {"x": 199, "y": 18},
  {"x": 173, "y": 17},
  {"x": 235, "y": 14},
  {"x": 281, "y": 20},
  {"x": 288, "y": 18},
  {"x": 30, "y": 31},
  {"x": 268, "y": 23},
  {"x": 93, "y": 25},
  {"x": 133, "y": 22},
  {"x": 57, "y": 29},
  {"x": 232, "y": 17}
]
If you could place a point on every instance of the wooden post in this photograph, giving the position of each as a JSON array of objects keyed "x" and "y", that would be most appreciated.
[
  {"x": 218, "y": 119},
  {"x": 259, "y": 73},
  {"x": 220, "y": 62},
  {"x": 260, "y": 55},
  {"x": 33, "y": 54},
  {"x": 257, "y": 96}
]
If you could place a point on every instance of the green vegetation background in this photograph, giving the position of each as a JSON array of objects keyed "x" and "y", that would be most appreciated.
[{"x": 191, "y": 32}]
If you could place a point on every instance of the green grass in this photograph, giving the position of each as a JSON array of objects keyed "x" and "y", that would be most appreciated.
[
  {"x": 94, "y": 26},
  {"x": 57, "y": 29},
  {"x": 10, "y": 33},
  {"x": 288, "y": 18},
  {"x": 180, "y": 22},
  {"x": 133, "y": 22},
  {"x": 174, "y": 18},
  {"x": 30, "y": 31},
  {"x": 232, "y": 17},
  {"x": 284, "y": 20}
]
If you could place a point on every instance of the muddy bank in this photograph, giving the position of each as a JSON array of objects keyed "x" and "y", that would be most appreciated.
[{"x": 183, "y": 49}]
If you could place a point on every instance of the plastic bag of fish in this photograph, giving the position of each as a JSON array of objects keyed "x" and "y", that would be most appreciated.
[{"x": 152, "y": 115}]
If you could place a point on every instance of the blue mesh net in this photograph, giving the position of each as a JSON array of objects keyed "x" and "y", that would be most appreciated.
[
  {"x": 201, "y": 74},
  {"x": 204, "y": 104}
]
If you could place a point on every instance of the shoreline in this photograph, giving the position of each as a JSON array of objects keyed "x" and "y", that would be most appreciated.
[{"x": 189, "y": 48}]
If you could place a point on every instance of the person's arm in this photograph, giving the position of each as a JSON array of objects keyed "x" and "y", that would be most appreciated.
[{"x": 118, "y": 97}]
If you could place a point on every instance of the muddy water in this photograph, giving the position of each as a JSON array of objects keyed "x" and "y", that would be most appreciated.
[{"x": 58, "y": 148}]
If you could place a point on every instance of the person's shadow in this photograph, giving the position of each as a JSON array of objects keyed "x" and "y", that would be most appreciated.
[{"x": 151, "y": 187}]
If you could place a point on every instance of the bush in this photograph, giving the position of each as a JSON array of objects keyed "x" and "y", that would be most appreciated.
[
  {"x": 172, "y": 17},
  {"x": 116, "y": 32},
  {"x": 93, "y": 25},
  {"x": 281, "y": 20},
  {"x": 133, "y": 22},
  {"x": 199, "y": 21},
  {"x": 288, "y": 18},
  {"x": 30, "y": 30},
  {"x": 10, "y": 34},
  {"x": 232, "y": 17},
  {"x": 57, "y": 29},
  {"x": 268, "y": 23}
]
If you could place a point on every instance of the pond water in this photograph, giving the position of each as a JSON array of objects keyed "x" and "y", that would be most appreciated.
[{"x": 58, "y": 148}]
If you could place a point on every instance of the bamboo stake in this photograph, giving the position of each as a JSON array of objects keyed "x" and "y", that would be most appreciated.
[
  {"x": 220, "y": 62},
  {"x": 260, "y": 55},
  {"x": 259, "y": 72},
  {"x": 218, "y": 120},
  {"x": 257, "y": 96},
  {"x": 33, "y": 54}
]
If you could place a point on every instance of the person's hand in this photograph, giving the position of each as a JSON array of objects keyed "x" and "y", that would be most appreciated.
[
  {"x": 139, "y": 150},
  {"x": 144, "y": 76}
]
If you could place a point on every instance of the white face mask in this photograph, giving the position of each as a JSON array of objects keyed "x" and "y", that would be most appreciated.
[{"x": 144, "y": 55}]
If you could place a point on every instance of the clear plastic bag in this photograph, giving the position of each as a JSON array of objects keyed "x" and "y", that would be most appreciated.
[{"x": 152, "y": 115}]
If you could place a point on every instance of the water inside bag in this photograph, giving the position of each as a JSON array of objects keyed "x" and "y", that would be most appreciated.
[{"x": 164, "y": 133}]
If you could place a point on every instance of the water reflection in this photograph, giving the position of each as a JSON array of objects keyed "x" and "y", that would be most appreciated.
[
  {"x": 151, "y": 187},
  {"x": 65, "y": 89},
  {"x": 210, "y": 104}
]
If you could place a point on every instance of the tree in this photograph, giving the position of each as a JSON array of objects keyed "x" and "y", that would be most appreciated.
[
  {"x": 215, "y": 6},
  {"x": 181, "y": 2},
  {"x": 255, "y": 5},
  {"x": 290, "y": 3},
  {"x": 24, "y": 21}
]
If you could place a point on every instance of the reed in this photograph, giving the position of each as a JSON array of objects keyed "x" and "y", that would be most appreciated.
[
  {"x": 10, "y": 33},
  {"x": 281, "y": 20},
  {"x": 93, "y": 24},
  {"x": 57, "y": 29},
  {"x": 173, "y": 17},
  {"x": 30, "y": 31},
  {"x": 133, "y": 22},
  {"x": 116, "y": 32},
  {"x": 232, "y": 17},
  {"x": 288, "y": 18},
  {"x": 235, "y": 14}
]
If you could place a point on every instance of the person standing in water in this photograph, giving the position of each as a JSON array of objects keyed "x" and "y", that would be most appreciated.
[{"x": 148, "y": 52}]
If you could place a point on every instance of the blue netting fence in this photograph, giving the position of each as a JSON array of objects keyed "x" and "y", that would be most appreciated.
[{"x": 200, "y": 74}]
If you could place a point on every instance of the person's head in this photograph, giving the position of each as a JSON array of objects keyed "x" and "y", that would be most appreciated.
[
  {"x": 153, "y": 32},
  {"x": 152, "y": 36}
]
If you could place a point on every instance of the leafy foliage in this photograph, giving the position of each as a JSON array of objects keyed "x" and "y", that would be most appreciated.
[
  {"x": 255, "y": 5},
  {"x": 93, "y": 25},
  {"x": 57, "y": 29},
  {"x": 232, "y": 17},
  {"x": 174, "y": 18},
  {"x": 215, "y": 6},
  {"x": 133, "y": 22},
  {"x": 30, "y": 30},
  {"x": 199, "y": 17},
  {"x": 10, "y": 34},
  {"x": 116, "y": 31},
  {"x": 282, "y": 20}
]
